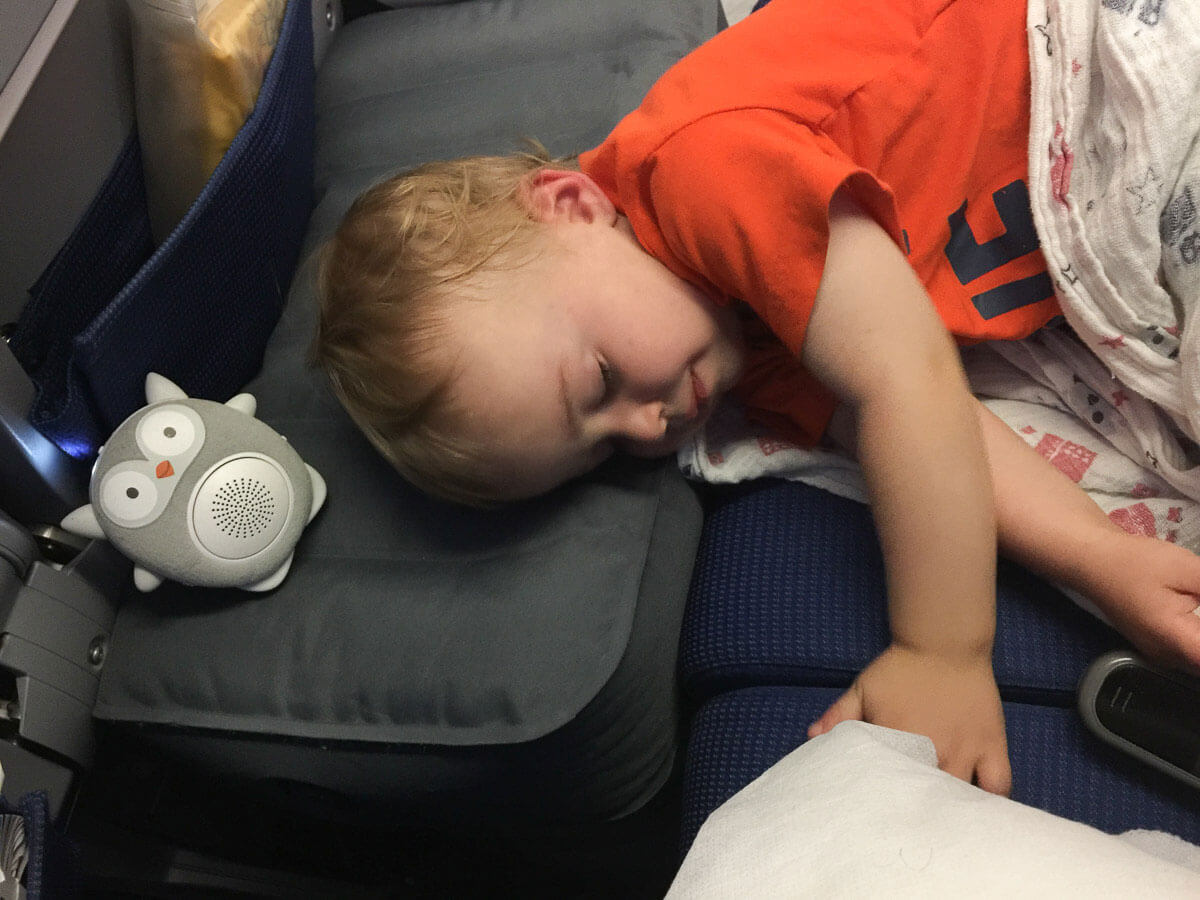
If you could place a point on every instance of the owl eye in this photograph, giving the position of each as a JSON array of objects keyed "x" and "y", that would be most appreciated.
[
  {"x": 166, "y": 432},
  {"x": 126, "y": 497}
]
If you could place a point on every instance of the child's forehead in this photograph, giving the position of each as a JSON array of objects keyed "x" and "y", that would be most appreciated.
[{"x": 503, "y": 337}]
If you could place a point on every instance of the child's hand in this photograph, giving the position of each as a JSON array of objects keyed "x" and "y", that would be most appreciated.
[
  {"x": 1149, "y": 589},
  {"x": 952, "y": 700}
]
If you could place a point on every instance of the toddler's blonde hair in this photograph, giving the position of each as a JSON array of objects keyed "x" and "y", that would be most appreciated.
[{"x": 406, "y": 247}]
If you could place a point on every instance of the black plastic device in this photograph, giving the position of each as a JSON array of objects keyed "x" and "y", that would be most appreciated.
[{"x": 1145, "y": 710}]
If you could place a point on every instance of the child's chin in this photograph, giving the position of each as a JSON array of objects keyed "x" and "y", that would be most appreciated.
[
  {"x": 651, "y": 454},
  {"x": 667, "y": 448}
]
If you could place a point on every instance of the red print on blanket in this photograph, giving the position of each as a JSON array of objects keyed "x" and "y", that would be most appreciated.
[
  {"x": 1136, "y": 519},
  {"x": 1063, "y": 159},
  {"x": 769, "y": 445},
  {"x": 1072, "y": 459}
]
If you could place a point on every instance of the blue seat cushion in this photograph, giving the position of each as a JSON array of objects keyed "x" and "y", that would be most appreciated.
[
  {"x": 789, "y": 589},
  {"x": 1057, "y": 765}
]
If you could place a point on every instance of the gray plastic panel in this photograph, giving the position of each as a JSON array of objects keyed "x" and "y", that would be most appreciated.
[
  {"x": 55, "y": 720},
  {"x": 64, "y": 116},
  {"x": 19, "y": 24},
  {"x": 25, "y": 771},
  {"x": 46, "y": 667}
]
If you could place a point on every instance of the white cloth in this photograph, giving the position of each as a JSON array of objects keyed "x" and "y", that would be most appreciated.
[
  {"x": 1114, "y": 168},
  {"x": 1043, "y": 389},
  {"x": 863, "y": 811}
]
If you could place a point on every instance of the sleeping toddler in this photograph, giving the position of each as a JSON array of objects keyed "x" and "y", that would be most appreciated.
[{"x": 807, "y": 212}]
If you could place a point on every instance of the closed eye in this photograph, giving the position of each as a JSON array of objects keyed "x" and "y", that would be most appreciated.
[{"x": 608, "y": 378}]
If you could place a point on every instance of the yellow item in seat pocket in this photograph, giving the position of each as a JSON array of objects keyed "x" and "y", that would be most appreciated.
[{"x": 198, "y": 67}]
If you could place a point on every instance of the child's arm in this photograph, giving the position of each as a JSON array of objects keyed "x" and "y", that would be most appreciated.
[
  {"x": 876, "y": 340},
  {"x": 1146, "y": 587}
]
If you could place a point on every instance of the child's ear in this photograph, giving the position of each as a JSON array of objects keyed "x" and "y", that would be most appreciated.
[{"x": 564, "y": 195}]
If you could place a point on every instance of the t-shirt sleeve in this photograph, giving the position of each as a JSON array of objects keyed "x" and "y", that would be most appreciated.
[{"x": 741, "y": 200}]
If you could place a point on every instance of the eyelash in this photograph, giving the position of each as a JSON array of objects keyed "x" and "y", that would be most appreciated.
[{"x": 606, "y": 374}]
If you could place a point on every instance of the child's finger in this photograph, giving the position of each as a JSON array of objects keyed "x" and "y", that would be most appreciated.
[
  {"x": 1187, "y": 641},
  {"x": 1185, "y": 572},
  {"x": 960, "y": 769},
  {"x": 847, "y": 706},
  {"x": 994, "y": 774}
]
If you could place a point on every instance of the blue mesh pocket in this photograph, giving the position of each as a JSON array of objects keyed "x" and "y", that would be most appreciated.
[{"x": 200, "y": 307}]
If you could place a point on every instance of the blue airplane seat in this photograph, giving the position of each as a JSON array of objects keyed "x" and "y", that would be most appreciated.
[{"x": 788, "y": 604}]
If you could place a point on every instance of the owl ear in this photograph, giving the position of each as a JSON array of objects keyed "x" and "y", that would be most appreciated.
[
  {"x": 243, "y": 403},
  {"x": 83, "y": 521},
  {"x": 160, "y": 388},
  {"x": 145, "y": 580}
]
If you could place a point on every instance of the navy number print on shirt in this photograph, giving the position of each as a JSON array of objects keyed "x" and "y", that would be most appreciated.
[{"x": 971, "y": 259}]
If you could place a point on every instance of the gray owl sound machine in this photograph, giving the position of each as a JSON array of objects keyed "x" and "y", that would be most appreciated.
[{"x": 199, "y": 492}]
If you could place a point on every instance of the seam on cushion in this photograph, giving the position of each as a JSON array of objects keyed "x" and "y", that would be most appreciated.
[{"x": 472, "y": 78}]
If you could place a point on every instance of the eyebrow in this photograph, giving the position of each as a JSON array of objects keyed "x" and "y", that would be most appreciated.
[{"x": 574, "y": 426}]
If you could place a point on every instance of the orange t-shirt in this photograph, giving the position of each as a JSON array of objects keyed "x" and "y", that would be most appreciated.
[{"x": 919, "y": 107}]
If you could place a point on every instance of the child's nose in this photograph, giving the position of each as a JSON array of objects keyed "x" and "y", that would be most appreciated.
[{"x": 643, "y": 422}]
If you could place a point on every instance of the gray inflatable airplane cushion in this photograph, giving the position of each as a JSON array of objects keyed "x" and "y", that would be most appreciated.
[{"x": 518, "y": 661}]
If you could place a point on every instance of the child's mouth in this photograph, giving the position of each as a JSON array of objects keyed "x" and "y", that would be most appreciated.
[{"x": 700, "y": 394}]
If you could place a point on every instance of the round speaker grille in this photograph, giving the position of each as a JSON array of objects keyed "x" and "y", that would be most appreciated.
[{"x": 241, "y": 507}]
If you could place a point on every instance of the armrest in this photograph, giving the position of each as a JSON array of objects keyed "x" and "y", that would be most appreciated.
[
  {"x": 55, "y": 624},
  {"x": 17, "y": 546}
]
